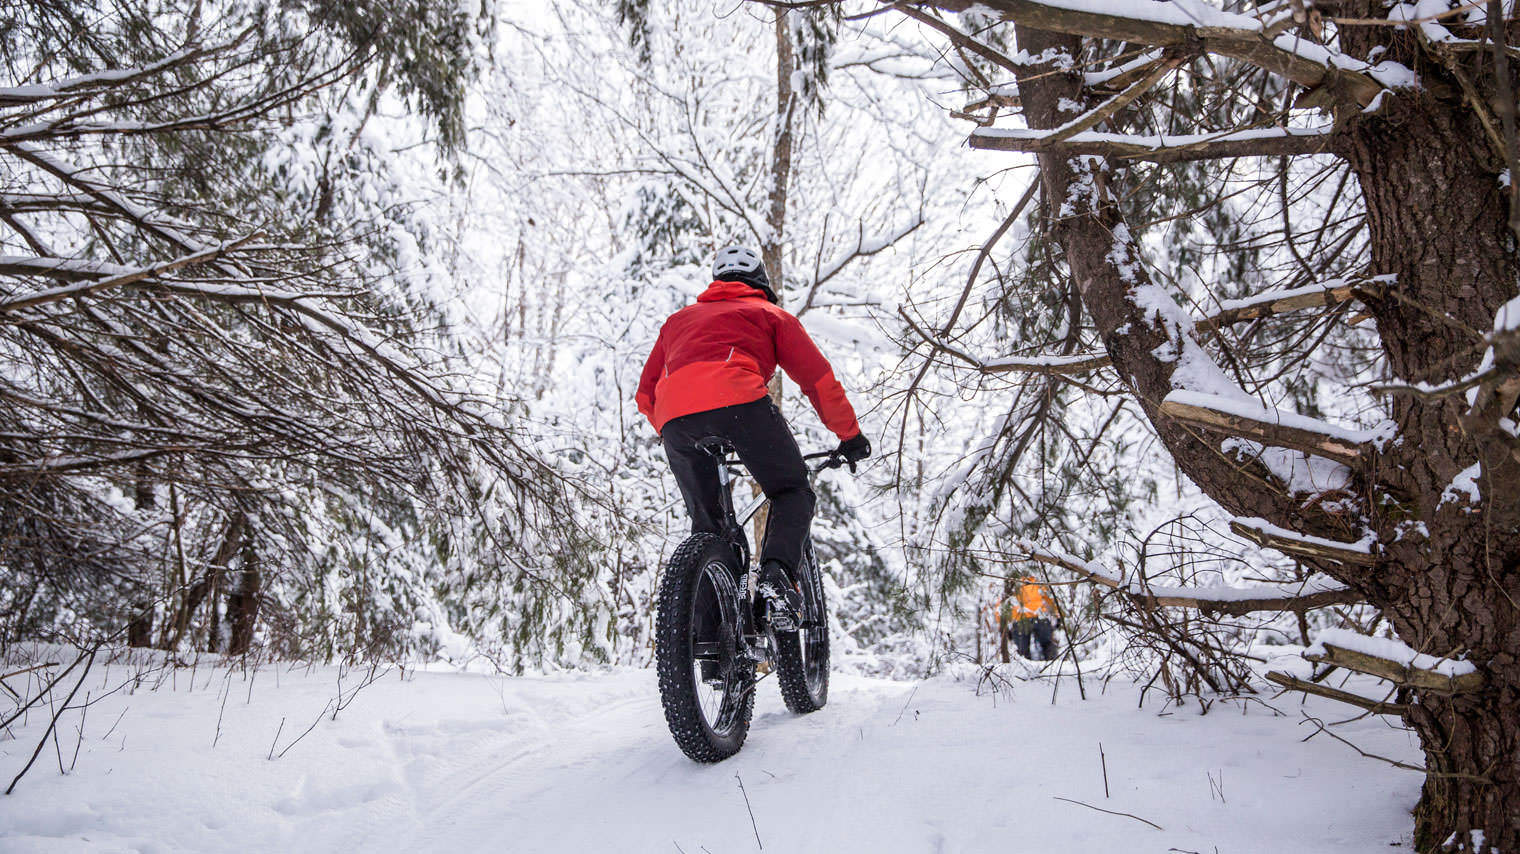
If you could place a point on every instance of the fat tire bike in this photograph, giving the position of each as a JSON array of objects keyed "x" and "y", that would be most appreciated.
[{"x": 711, "y": 635}]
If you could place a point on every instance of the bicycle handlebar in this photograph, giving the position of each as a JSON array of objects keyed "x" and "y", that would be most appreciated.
[{"x": 832, "y": 459}]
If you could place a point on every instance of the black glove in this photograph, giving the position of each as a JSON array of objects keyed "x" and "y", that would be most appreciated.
[{"x": 854, "y": 449}]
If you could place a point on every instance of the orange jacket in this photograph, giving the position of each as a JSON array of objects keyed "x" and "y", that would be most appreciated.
[
  {"x": 723, "y": 350},
  {"x": 1033, "y": 602}
]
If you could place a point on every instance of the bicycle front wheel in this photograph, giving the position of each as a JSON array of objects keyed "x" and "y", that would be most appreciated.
[
  {"x": 706, "y": 682},
  {"x": 802, "y": 657}
]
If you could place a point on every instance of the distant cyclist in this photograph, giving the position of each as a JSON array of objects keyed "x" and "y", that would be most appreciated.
[{"x": 707, "y": 375}]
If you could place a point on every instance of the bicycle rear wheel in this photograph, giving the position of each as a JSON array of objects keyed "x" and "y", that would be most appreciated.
[
  {"x": 706, "y": 682},
  {"x": 802, "y": 657}
]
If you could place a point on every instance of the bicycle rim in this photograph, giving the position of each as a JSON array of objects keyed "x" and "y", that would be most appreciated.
[{"x": 716, "y": 663}]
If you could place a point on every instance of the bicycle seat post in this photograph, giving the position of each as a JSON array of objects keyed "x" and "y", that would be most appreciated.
[{"x": 717, "y": 448}]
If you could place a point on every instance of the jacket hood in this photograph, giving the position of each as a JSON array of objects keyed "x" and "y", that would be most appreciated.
[{"x": 721, "y": 290}]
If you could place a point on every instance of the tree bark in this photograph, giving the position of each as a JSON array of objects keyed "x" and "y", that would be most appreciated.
[
  {"x": 775, "y": 215},
  {"x": 243, "y": 600},
  {"x": 206, "y": 585},
  {"x": 140, "y": 621},
  {"x": 1438, "y": 221}
]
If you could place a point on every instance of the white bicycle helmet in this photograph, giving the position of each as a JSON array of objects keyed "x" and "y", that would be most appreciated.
[
  {"x": 742, "y": 264},
  {"x": 736, "y": 259}
]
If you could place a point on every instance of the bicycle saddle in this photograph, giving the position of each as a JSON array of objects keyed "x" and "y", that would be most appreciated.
[{"x": 717, "y": 446}]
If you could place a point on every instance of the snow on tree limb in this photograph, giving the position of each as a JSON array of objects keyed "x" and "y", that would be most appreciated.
[
  {"x": 120, "y": 279},
  {"x": 1229, "y": 601},
  {"x": 87, "y": 84},
  {"x": 1264, "y": 142},
  {"x": 1267, "y": 304},
  {"x": 1267, "y": 535},
  {"x": 1394, "y": 661},
  {"x": 1333, "y": 77},
  {"x": 1078, "y": 364},
  {"x": 1292, "y": 683},
  {"x": 1268, "y": 426}
]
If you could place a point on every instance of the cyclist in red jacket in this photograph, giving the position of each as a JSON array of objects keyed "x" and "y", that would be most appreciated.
[{"x": 707, "y": 376}]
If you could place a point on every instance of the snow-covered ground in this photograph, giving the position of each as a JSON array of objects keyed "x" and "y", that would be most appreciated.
[{"x": 582, "y": 762}]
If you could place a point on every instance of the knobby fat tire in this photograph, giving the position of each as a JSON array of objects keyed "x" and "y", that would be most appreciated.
[
  {"x": 791, "y": 671},
  {"x": 673, "y": 655}
]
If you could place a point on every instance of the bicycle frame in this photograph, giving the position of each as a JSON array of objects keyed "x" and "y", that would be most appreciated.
[
  {"x": 720, "y": 450},
  {"x": 734, "y": 522}
]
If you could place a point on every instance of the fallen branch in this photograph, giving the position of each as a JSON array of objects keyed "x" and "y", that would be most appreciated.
[
  {"x": 1326, "y": 730},
  {"x": 1110, "y": 812}
]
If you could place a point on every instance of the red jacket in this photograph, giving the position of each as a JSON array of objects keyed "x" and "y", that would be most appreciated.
[{"x": 722, "y": 351}]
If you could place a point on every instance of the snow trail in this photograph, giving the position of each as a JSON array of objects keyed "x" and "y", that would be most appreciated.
[{"x": 453, "y": 762}]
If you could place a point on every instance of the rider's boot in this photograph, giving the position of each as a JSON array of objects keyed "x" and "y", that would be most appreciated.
[{"x": 783, "y": 600}]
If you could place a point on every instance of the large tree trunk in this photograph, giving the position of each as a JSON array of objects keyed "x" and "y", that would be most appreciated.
[
  {"x": 1437, "y": 217},
  {"x": 1437, "y": 221}
]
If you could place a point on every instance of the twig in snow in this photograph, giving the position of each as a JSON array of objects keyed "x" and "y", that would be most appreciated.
[
  {"x": 1394, "y": 762},
  {"x": 57, "y": 713},
  {"x": 84, "y": 712},
  {"x": 52, "y": 725},
  {"x": 905, "y": 705},
  {"x": 1104, "y": 760},
  {"x": 48, "y": 690},
  {"x": 225, "y": 694},
  {"x": 277, "y": 732},
  {"x": 114, "y": 725},
  {"x": 42, "y": 666},
  {"x": 306, "y": 733},
  {"x": 1110, "y": 812},
  {"x": 752, "y": 824}
]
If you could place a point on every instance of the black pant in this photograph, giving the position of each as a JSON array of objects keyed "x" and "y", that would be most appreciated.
[
  {"x": 764, "y": 443},
  {"x": 1041, "y": 631}
]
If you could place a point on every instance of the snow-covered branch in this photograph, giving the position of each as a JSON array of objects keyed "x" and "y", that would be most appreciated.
[
  {"x": 1333, "y": 76},
  {"x": 1225, "y": 600},
  {"x": 119, "y": 278},
  {"x": 1266, "y": 304},
  {"x": 1267, "y": 535},
  {"x": 1262, "y": 142},
  {"x": 101, "y": 81},
  {"x": 1394, "y": 661},
  {"x": 1080, "y": 363},
  {"x": 1269, "y": 426}
]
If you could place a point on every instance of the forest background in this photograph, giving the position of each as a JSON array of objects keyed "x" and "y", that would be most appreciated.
[{"x": 321, "y": 326}]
